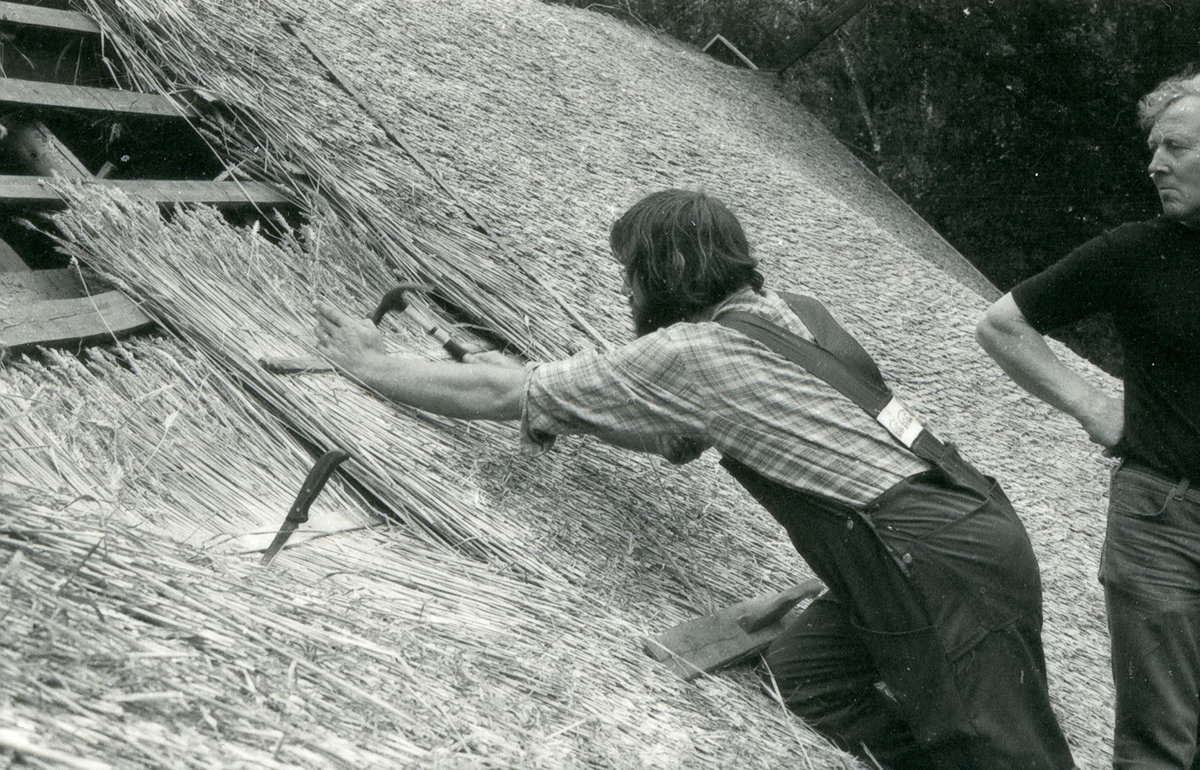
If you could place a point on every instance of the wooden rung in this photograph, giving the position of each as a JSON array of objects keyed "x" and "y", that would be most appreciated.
[
  {"x": 34, "y": 189},
  {"x": 36, "y": 93},
  {"x": 40, "y": 152},
  {"x": 63, "y": 321},
  {"x": 34, "y": 16},
  {"x": 10, "y": 260},
  {"x": 30, "y": 286}
]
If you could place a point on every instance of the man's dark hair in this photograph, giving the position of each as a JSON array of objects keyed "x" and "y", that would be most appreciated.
[{"x": 685, "y": 251}]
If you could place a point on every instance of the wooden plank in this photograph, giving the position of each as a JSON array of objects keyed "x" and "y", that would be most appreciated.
[
  {"x": 34, "y": 16},
  {"x": 277, "y": 365},
  {"x": 40, "y": 152},
  {"x": 61, "y": 321},
  {"x": 10, "y": 260},
  {"x": 37, "y": 285},
  {"x": 729, "y": 635},
  {"x": 35, "y": 93},
  {"x": 32, "y": 189}
]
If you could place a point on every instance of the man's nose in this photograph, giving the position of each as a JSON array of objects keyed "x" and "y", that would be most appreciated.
[{"x": 1158, "y": 163}]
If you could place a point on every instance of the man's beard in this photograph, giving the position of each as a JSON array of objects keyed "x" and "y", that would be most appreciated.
[{"x": 650, "y": 316}]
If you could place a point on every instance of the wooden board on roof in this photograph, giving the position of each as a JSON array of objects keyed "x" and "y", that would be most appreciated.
[
  {"x": 50, "y": 18},
  {"x": 52, "y": 307},
  {"x": 58, "y": 95},
  {"x": 26, "y": 189}
]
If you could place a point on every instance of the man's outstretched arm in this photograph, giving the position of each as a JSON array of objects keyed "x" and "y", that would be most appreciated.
[
  {"x": 490, "y": 387},
  {"x": 1023, "y": 354},
  {"x": 476, "y": 392}
]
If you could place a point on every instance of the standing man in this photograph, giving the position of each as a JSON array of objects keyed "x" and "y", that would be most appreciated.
[
  {"x": 1147, "y": 275},
  {"x": 926, "y": 651}
]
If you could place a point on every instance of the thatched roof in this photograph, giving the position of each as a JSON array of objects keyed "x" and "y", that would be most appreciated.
[{"x": 494, "y": 619}]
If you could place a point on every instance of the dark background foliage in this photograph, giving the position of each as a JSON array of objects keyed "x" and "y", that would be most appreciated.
[{"x": 1009, "y": 125}]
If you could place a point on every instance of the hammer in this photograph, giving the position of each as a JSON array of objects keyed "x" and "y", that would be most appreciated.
[{"x": 396, "y": 299}]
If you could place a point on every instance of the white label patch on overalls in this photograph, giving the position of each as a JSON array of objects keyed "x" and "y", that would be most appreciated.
[{"x": 900, "y": 422}]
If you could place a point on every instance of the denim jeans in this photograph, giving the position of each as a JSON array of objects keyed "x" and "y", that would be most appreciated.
[{"x": 1150, "y": 569}]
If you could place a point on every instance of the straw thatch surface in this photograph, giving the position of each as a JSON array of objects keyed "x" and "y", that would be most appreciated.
[{"x": 497, "y": 623}]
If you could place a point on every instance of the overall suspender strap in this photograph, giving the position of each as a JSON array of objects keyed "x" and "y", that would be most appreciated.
[{"x": 843, "y": 364}]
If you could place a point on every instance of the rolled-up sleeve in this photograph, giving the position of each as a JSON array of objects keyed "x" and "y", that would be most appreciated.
[
  {"x": 641, "y": 389},
  {"x": 533, "y": 441}
]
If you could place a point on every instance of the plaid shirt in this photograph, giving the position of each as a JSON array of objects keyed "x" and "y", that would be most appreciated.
[{"x": 713, "y": 385}]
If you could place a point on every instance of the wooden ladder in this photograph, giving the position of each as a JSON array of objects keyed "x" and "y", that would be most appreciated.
[{"x": 53, "y": 307}]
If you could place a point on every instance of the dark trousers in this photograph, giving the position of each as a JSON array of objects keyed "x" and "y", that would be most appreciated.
[
  {"x": 829, "y": 678},
  {"x": 927, "y": 652},
  {"x": 1151, "y": 574}
]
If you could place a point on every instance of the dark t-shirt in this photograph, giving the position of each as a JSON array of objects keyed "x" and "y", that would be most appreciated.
[{"x": 1147, "y": 275}]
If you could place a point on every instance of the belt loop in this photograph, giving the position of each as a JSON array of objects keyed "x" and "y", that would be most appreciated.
[{"x": 1180, "y": 489}]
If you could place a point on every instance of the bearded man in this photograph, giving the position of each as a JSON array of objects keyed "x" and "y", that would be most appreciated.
[{"x": 925, "y": 652}]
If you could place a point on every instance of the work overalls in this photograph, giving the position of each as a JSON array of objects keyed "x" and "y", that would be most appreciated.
[{"x": 927, "y": 648}]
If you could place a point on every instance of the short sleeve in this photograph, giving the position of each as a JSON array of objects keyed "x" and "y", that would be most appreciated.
[{"x": 1086, "y": 281}]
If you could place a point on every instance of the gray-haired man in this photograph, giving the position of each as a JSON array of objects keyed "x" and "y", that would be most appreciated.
[{"x": 1147, "y": 276}]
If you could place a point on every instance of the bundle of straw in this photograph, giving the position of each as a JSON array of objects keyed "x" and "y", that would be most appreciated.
[
  {"x": 148, "y": 423},
  {"x": 325, "y": 144},
  {"x": 122, "y": 647},
  {"x": 237, "y": 298}
]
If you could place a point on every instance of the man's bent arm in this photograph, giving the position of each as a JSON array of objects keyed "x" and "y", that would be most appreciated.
[{"x": 1023, "y": 354}]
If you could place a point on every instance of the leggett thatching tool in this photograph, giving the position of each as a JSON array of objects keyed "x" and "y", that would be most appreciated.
[
  {"x": 729, "y": 635},
  {"x": 397, "y": 299},
  {"x": 298, "y": 514}
]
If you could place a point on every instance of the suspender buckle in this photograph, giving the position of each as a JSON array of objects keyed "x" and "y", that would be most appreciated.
[{"x": 900, "y": 423}]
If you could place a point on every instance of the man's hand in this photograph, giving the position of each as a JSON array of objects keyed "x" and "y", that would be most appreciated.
[
  {"x": 1105, "y": 421},
  {"x": 349, "y": 343},
  {"x": 477, "y": 392}
]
